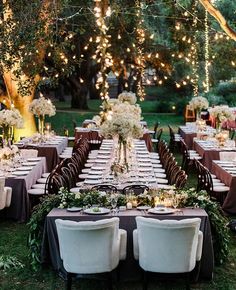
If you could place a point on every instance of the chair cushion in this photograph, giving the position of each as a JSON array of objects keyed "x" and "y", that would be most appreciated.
[
  {"x": 45, "y": 175},
  {"x": 162, "y": 181},
  {"x": 39, "y": 185},
  {"x": 42, "y": 180},
  {"x": 36, "y": 191},
  {"x": 220, "y": 188}
]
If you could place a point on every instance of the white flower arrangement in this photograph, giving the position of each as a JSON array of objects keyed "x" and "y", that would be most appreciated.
[
  {"x": 199, "y": 103},
  {"x": 98, "y": 120},
  {"x": 42, "y": 107},
  {"x": 123, "y": 126},
  {"x": 222, "y": 113},
  {"x": 127, "y": 97},
  {"x": 8, "y": 152},
  {"x": 9, "y": 118}
]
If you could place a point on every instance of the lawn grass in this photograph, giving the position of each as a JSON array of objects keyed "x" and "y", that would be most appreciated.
[{"x": 13, "y": 236}]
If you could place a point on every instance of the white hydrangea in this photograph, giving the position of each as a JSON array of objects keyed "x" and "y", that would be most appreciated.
[
  {"x": 222, "y": 113},
  {"x": 42, "y": 106},
  {"x": 97, "y": 119},
  {"x": 11, "y": 118},
  {"x": 7, "y": 153},
  {"x": 128, "y": 97},
  {"x": 199, "y": 103}
]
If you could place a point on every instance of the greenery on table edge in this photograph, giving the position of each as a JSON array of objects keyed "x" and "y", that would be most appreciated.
[{"x": 187, "y": 198}]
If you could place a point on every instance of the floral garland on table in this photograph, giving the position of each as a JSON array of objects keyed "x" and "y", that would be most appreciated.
[{"x": 186, "y": 198}]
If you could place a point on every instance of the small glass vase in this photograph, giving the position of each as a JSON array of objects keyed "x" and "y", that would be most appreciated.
[{"x": 41, "y": 120}]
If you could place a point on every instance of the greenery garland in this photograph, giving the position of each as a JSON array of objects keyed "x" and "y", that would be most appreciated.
[{"x": 189, "y": 197}]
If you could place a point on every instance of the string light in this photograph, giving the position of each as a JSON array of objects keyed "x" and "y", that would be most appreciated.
[
  {"x": 195, "y": 64},
  {"x": 102, "y": 55},
  {"x": 207, "y": 82}
]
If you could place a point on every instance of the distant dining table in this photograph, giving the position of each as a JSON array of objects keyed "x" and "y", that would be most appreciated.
[
  {"x": 21, "y": 180},
  {"x": 189, "y": 131},
  {"x": 129, "y": 269},
  {"x": 81, "y": 132},
  {"x": 209, "y": 150},
  {"x": 50, "y": 149},
  {"x": 226, "y": 172}
]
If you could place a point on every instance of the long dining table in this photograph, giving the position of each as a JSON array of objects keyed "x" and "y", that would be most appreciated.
[
  {"x": 129, "y": 269},
  {"x": 50, "y": 149},
  {"x": 21, "y": 180},
  {"x": 226, "y": 172}
]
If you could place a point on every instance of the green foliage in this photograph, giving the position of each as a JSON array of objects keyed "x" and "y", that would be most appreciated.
[
  {"x": 10, "y": 262},
  {"x": 219, "y": 230}
]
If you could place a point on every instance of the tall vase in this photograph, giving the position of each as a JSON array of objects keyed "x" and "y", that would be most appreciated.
[
  {"x": 41, "y": 124},
  {"x": 122, "y": 153},
  {"x": 218, "y": 125},
  {"x": 6, "y": 135},
  {"x": 198, "y": 114}
]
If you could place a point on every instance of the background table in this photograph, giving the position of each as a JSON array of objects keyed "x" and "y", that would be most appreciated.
[
  {"x": 229, "y": 179},
  {"x": 19, "y": 209},
  {"x": 129, "y": 269},
  {"x": 50, "y": 151}
]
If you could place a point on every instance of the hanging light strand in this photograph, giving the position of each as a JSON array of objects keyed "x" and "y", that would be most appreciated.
[
  {"x": 102, "y": 56},
  {"x": 207, "y": 81},
  {"x": 195, "y": 64}
]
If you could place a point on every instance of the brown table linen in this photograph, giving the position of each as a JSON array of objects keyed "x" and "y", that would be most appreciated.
[
  {"x": 188, "y": 137},
  {"x": 129, "y": 269},
  {"x": 229, "y": 179},
  {"x": 19, "y": 209},
  {"x": 85, "y": 134}
]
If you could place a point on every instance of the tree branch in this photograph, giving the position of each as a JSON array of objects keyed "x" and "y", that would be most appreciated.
[{"x": 219, "y": 17}]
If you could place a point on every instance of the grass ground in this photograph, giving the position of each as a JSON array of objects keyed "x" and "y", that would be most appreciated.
[{"x": 13, "y": 239}]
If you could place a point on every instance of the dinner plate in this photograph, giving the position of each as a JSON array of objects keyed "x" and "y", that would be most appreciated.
[
  {"x": 102, "y": 157},
  {"x": 74, "y": 209},
  {"x": 95, "y": 172},
  {"x": 94, "y": 177},
  {"x": 144, "y": 160},
  {"x": 144, "y": 169},
  {"x": 143, "y": 207},
  {"x": 161, "y": 210},
  {"x": 97, "y": 211},
  {"x": 100, "y": 168},
  {"x": 29, "y": 163},
  {"x": 33, "y": 159},
  {"x": 19, "y": 173},
  {"x": 92, "y": 181},
  {"x": 83, "y": 175},
  {"x": 75, "y": 189},
  {"x": 86, "y": 170},
  {"x": 91, "y": 160},
  {"x": 88, "y": 165},
  {"x": 24, "y": 168},
  {"x": 102, "y": 161},
  {"x": 142, "y": 164}
]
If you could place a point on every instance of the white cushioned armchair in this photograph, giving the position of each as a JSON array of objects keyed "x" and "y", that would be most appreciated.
[
  {"x": 91, "y": 247},
  {"x": 167, "y": 246}
]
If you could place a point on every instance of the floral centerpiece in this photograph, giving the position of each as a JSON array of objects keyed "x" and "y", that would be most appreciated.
[
  {"x": 7, "y": 155},
  {"x": 197, "y": 104},
  {"x": 221, "y": 114},
  {"x": 9, "y": 119},
  {"x": 127, "y": 97},
  {"x": 41, "y": 107}
]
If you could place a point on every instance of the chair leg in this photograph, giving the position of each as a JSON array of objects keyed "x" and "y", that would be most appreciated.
[
  {"x": 109, "y": 281},
  {"x": 68, "y": 281},
  {"x": 187, "y": 281},
  {"x": 145, "y": 280}
]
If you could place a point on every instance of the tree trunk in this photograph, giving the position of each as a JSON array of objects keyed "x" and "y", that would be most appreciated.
[{"x": 79, "y": 94}]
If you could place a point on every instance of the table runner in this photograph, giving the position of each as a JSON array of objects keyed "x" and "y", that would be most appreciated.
[{"x": 129, "y": 269}]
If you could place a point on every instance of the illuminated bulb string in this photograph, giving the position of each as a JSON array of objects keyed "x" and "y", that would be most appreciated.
[
  {"x": 194, "y": 54},
  {"x": 207, "y": 82}
]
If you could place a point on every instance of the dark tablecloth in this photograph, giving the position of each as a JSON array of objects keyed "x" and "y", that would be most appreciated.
[
  {"x": 229, "y": 204},
  {"x": 84, "y": 133},
  {"x": 19, "y": 209},
  {"x": 188, "y": 137},
  {"x": 129, "y": 269},
  {"x": 51, "y": 152}
]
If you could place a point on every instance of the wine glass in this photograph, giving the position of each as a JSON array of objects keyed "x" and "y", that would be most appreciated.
[{"x": 175, "y": 201}]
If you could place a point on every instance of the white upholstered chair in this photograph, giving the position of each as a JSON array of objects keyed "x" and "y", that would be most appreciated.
[
  {"x": 167, "y": 246},
  {"x": 91, "y": 247},
  {"x": 5, "y": 197}
]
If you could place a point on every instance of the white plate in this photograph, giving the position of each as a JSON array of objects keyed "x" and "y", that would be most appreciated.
[
  {"x": 92, "y": 181},
  {"x": 34, "y": 159},
  {"x": 85, "y": 170},
  {"x": 24, "y": 168},
  {"x": 74, "y": 209},
  {"x": 95, "y": 172},
  {"x": 144, "y": 169},
  {"x": 88, "y": 165},
  {"x": 145, "y": 160},
  {"x": 103, "y": 157},
  {"x": 83, "y": 175},
  {"x": 143, "y": 207},
  {"x": 29, "y": 163},
  {"x": 100, "y": 168},
  {"x": 94, "y": 177},
  {"x": 141, "y": 164},
  {"x": 102, "y": 210},
  {"x": 161, "y": 210},
  {"x": 75, "y": 189},
  {"x": 101, "y": 161},
  {"x": 19, "y": 173}
]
